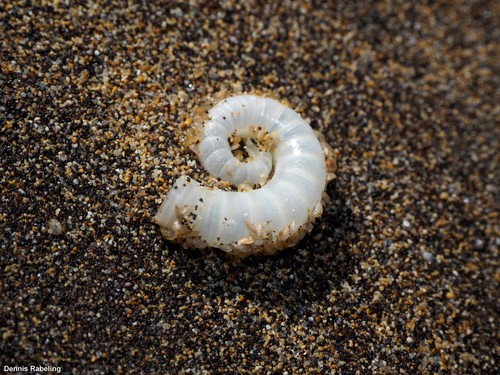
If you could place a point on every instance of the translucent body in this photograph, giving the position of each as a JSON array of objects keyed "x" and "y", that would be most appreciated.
[{"x": 259, "y": 219}]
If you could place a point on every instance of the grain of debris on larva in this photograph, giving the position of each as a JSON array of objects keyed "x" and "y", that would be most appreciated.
[{"x": 279, "y": 177}]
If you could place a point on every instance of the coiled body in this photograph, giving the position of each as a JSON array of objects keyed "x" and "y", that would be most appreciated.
[{"x": 285, "y": 162}]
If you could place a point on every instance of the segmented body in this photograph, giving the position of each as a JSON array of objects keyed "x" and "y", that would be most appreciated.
[{"x": 285, "y": 165}]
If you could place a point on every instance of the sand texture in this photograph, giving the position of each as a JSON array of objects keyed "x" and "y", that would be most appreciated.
[{"x": 399, "y": 276}]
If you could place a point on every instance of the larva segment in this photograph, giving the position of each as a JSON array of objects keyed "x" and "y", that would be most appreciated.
[
  {"x": 217, "y": 158},
  {"x": 270, "y": 211}
]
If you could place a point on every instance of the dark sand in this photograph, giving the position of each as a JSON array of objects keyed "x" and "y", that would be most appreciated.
[{"x": 401, "y": 274}]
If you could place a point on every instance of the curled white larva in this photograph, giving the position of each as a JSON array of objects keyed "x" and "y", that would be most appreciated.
[{"x": 281, "y": 171}]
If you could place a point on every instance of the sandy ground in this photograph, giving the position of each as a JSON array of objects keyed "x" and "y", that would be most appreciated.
[{"x": 400, "y": 275}]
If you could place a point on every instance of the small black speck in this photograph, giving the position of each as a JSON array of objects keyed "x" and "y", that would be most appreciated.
[{"x": 201, "y": 200}]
